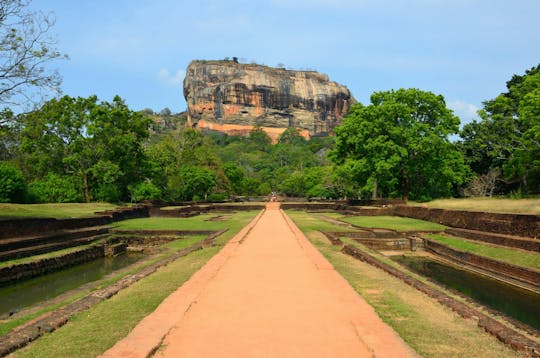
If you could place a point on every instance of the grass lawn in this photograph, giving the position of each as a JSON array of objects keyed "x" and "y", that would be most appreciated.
[
  {"x": 93, "y": 331},
  {"x": 198, "y": 222},
  {"x": 394, "y": 223},
  {"x": 428, "y": 327},
  {"x": 495, "y": 205},
  {"x": 516, "y": 257},
  {"x": 58, "y": 211}
]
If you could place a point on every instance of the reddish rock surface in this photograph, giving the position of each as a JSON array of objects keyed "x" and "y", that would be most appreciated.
[{"x": 233, "y": 98}]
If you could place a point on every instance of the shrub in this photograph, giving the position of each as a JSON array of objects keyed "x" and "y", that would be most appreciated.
[
  {"x": 217, "y": 197},
  {"x": 12, "y": 186},
  {"x": 144, "y": 191},
  {"x": 54, "y": 189}
]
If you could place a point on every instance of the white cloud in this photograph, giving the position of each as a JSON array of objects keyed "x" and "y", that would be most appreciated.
[
  {"x": 466, "y": 111},
  {"x": 172, "y": 79}
]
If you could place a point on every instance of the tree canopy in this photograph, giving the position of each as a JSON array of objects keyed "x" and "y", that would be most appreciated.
[
  {"x": 400, "y": 145},
  {"x": 507, "y": 137},
  {"x": 26, "y": 48},
  {"x": 98, "y": 144}
]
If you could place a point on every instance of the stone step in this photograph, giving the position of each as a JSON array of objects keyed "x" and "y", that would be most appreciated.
[
  {"x": 524, "y": 243},
  {"x": 59, "y": 236},
  {"x": 48, "y": 247}
]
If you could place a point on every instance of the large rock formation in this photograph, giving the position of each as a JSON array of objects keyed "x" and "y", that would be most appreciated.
[{"x": 232, "y": 97}]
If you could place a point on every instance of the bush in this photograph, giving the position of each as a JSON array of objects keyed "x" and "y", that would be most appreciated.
[
  {"x": 144, "y": 191},
  {"x": 217, "y": 197},
  {"x": 54, "y": 189},
  {"x": 108, "y": 192},
  {"x": 12, "y": 186}
]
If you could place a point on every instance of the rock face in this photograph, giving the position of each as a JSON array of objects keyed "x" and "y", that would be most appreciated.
[{"x": 231, "y": 97}]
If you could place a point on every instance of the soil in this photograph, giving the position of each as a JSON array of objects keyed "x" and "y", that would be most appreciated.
[{"x": 268, "y": 292}]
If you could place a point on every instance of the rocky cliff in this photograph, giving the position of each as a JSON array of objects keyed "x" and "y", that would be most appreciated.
[{"x": 232, "y": 97}]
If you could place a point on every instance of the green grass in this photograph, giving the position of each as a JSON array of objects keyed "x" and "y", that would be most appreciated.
[
  {"x": 193, "y": 223},
  {"x": 495, "y": 205},
  {"x": 58, "y": 211},
  {"x": 315, "y": 222},
  {"x": 47, "y": 255},
  {"x": 394, "y": 223},
  {"x": 93, "y": 331},
  {"x": 516, "y": 257},
  {"x": 428, "y": 327}
]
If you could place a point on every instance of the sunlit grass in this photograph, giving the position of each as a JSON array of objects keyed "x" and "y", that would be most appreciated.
[
  {"x": 495, "y": 205},
  {"x": 428, "y": 327},
  {"x": 516, "y": 257},
  {"x": 91, "y": 332},
  {"x": 393, "y": 223},
  {"x": 199, "y": 222},
  {"x": 58, "y": 211}
]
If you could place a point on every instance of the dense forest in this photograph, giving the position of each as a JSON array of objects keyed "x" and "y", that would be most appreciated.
[{"x": 83, "y": 149}]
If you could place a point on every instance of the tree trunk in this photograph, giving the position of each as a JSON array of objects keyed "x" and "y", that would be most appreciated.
[
  {"x": 87, "y": 197},
  {"x": 375, "y": 188},
  {"x": 405, "y": 194}
]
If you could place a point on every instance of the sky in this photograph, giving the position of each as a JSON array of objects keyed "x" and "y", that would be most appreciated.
[{"x": 465, "y": 50}]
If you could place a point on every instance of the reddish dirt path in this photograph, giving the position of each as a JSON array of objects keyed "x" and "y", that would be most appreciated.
[{"x": 267, "y": 293}]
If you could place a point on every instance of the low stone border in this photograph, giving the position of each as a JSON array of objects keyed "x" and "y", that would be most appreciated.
[
  {"x": 192, "y": 210},
  {"x": 38, "y": 226},
  {"x": 523, "y": 274},
  {"x": 509, "y": 224},
  {"x": 51, "y": 321},
  {"x": 497, "y": 239},
  {"x": 506, "y": 335},
  {"x": 16, "y": 272}
]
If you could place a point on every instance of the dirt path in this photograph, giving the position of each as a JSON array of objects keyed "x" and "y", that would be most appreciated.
[{"x": 267, "y": 293}]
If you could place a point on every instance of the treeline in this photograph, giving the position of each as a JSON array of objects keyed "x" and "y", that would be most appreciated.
[{"x": 80, "y": 149}]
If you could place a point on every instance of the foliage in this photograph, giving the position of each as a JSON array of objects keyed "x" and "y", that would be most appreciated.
[
  {"x": 12, "y": 186},
  {"x": 195, "y": 182},
  {"x": 99, "y": 144},
  {"x": 508, "y": 135},
  {"x": 54, "y": 188},
  {"x": 26, "y": 47},
  {"x": 400, "y": 144},
  {"x": 9, "y": 134},
  {"x": 144, "y": 191},
  {"x": 484, "y": 184}
]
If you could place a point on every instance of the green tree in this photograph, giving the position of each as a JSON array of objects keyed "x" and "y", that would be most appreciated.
[
  {"x": 55, "y": 189},
  {"x": 9, "y": 134},
  {"x": 508, "y": 135},
  {"x": 144, "y": 191},
  {"x": 401, "y": 144},
  {"x": 195, "y": 182},
  {"x": 26, "y": 47},
  {"x": 236, "y": 177},
  {"x": 99, "y": 144},
  {"x": 12, "y": 186}
]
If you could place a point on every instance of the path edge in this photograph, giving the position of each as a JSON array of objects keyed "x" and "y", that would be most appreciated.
[
  {"x": 147, "y": 336},
  {"x": 382, "y": 345}
]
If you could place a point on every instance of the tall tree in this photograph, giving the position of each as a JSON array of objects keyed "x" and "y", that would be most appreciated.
[
  {"x": 508, "y": 135},
  {"x": 100, "y": 144},
  {"x": 26, "y": 48},
  {"x": 401, "y": 144}
]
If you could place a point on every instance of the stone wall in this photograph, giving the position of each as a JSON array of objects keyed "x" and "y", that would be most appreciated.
[
  {"x": 526, "y": 275},
  {"x": 40, "y": 226},
  {"x": 191, "y": 210},
  {"x": 19, "y": 272},
  {"x": 503, "y": 333},
  {"x": 497, "y": 239},
  {"x": 511, "y": 224},
  {"x": 337, "y": 206}
]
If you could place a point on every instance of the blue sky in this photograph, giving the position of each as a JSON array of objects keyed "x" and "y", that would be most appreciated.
[{"x": 465, "y": 50}]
